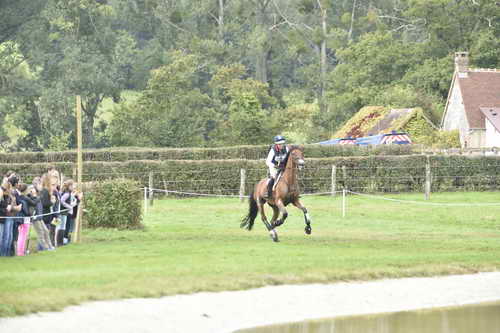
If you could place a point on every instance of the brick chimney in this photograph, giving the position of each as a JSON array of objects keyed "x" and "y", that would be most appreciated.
[{"x": 462, "y": 63}]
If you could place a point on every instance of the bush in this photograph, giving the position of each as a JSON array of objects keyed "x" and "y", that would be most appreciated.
[
  {"x": 362, "y": 173},
  {"x": 114, "y": 204},
  {"x": 222, "y": 153}
]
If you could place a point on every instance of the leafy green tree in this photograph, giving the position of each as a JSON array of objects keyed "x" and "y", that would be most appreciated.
[{"x": 172, "y": 112}]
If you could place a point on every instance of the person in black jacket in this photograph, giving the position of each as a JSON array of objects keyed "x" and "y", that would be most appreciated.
[
  {"x": 48, "y": 200},
  {"x": 43, "y": 234}
]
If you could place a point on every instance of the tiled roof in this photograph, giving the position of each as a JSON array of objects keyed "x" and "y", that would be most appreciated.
[
  {"x": 493, "y": 115},
  {"x": 481, "y": 88}
]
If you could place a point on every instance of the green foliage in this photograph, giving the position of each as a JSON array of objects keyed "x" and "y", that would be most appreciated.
[
  {"x": 210, "y": 76},
  {"x": 442, "y": 139},
  {"x": 362, "y": 121},
  {"x": 223, "y": 153},
  {"x": 114, "y": 204},
  {"x": 380, "y": 173},
  {"x": 416, "y": 124},
  {"x": 484, "y": 52},
  {"x": 163, "y": 116}
]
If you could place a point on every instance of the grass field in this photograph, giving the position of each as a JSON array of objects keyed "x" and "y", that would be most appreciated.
[{"x": 193, "y": 245}]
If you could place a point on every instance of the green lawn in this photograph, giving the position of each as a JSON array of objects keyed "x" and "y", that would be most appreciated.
[{"x": 195, "y": 245}]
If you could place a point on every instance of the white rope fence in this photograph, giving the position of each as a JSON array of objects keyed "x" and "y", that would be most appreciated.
[
  {"x": 331, "y": 193},
  {"x": 36, "y": 216},
  {"x": 444, "y": 204}
]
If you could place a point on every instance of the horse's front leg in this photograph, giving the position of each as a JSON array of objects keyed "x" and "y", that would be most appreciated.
[
  {"x": 272, "y": 233},
  {"x": 276, "y": 214},
  {"x": 284, "y": 213},
  {"x": 307, "y": 219}
]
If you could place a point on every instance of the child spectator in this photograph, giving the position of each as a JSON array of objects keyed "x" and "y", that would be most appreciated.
[
  {"x": 70, "y": 223},
  {"x": 48, "y": 200},
  {"x": 8, "y": 208},
  {"x": 15, "y": 181},
  {"x": 24, "y": 227},
  {"x": 68, "y": 202},
  {"x": 42, "y": 232}
]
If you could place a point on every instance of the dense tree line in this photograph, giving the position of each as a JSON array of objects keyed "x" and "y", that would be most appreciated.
[{"x": 223, "y": 72}]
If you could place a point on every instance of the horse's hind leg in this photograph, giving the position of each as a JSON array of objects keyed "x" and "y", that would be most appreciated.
[
  {"x": 307, "y": 219},
  {"x": 272, "y": 233}
]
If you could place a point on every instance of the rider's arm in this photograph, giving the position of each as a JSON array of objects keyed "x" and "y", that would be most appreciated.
[{"x": 269, "y": 159}]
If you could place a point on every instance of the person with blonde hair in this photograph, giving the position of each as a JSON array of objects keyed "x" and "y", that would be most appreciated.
[{"x": 8, "y": 209}]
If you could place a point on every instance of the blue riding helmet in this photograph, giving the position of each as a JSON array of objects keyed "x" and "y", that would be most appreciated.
[{"x": 279, "y": 139}]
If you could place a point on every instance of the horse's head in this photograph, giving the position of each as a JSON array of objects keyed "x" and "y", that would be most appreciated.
[{"x": 297, "y": 155}]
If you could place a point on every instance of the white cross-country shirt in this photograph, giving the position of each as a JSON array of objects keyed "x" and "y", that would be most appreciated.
[{"x": 269, "y": 160}]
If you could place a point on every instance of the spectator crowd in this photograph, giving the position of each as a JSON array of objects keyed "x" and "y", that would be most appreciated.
[{"x": 45, "y": 205}]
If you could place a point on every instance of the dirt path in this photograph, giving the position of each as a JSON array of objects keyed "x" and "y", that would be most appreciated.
[{"x": 228, "y": 311}]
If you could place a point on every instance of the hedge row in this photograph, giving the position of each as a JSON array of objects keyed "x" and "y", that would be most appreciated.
[
  {"x": 237, "y": 152},
  {"x": 364, "y": 174}
]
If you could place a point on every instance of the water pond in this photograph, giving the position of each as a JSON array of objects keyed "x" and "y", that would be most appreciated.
[{"x": 478, "y": 318}]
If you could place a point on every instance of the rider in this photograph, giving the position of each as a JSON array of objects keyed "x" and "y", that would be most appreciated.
[{"x": 275, "y": 161}]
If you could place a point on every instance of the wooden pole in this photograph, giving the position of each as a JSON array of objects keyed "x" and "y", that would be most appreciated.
[
  {"x": 145, "y": 200},
  {"x": 151, "y": 185},
  {"x": 334, "y": 180},
  {"x": 428, "y": 179},
  {"x": 165, "y": 187},
  {"x": 243, "y": 178},
  {"x": 79, "y": 166}
]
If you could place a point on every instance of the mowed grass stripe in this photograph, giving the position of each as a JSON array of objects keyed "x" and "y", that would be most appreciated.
[{"x": 193, "y": 245}]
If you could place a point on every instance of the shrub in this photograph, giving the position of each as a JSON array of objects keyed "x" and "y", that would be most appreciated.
[
  {"x": 221, "y": 153},
  {"x": 114, "y": 204}
]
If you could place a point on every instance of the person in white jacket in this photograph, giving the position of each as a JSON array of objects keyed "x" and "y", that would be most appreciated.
[{"x": 275, "y": 161}]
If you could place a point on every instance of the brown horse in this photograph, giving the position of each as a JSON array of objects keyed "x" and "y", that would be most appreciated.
[{"x": 285, "y": 192}]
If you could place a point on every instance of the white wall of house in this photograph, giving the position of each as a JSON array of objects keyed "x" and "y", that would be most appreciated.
[
  {"x": 455, "y": 116},
  {"x": 492, "y": 135},
  {"x": 476, "y": 138}
]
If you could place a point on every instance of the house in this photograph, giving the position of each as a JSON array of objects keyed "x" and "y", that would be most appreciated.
[
  {"x": 472, "y": 105},
  {"x": 375, "y": 120}
]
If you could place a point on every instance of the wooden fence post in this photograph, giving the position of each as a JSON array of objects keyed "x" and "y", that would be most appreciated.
[
  {"x": 428, "y": 179},
  {"x": 145, "y": 200},
  {"x": 243, "y": 178},
  {"x": 344, "y": 175},
  {"x": 334, "y": 180},
  {"x": 151, "y": 185},
  {"x": 165, "y": 187}
]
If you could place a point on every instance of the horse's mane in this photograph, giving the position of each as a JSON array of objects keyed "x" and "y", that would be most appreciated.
[
  {"x": 295, "y": 147},
  {"x": 291, "y": 148}
]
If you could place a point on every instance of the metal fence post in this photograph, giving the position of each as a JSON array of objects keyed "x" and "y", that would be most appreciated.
[
  {"x": 428, "y": 179},
  {"x": 243, "y": 177},
  {"x": 151, "y": 185},
  {"x": 334, "y": 180}
]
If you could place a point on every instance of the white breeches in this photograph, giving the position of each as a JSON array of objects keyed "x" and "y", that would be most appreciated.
[{"x": 273, "y": 171}]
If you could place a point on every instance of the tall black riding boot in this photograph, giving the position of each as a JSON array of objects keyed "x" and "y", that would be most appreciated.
[
  {"x": 270, "y": 188},
  {"x": 60, "y": 238}
]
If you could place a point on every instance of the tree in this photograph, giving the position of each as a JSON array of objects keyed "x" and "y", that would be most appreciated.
[
  {"x": 75, "y": 44},
  {"x": 171, "y": 112}
]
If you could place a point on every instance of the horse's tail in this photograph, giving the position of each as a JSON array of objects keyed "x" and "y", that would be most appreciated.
[{"x": 253, "y": 210}]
